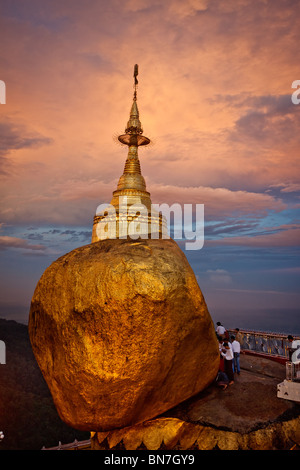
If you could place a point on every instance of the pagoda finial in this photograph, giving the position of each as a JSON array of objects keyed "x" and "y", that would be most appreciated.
[
  {"x": 135, "y": 74},
  {"x": 133, "y": 132}
]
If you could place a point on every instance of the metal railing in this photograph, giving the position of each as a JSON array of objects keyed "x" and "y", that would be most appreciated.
[
  {"x": 76, "y": 445},
  {"x": 274, "y": 345}
]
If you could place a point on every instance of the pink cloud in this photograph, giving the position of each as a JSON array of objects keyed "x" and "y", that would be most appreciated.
[
  {"x": 218, "y": 202},
  {"x": 14, "y": 242},
  {"x": 75, "y": 202}
]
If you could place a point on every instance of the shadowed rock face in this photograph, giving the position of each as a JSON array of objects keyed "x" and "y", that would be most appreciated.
[{"x": 121, "y": 333}]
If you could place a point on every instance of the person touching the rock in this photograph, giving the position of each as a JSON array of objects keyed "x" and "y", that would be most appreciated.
[
  {"x": 221, "y": 357},
  {"x": 222, "y": 380},
  {"x": 228, "y": 357}
]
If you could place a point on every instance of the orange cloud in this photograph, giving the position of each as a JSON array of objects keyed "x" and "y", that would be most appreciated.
[{"x": 212, "y": 94}]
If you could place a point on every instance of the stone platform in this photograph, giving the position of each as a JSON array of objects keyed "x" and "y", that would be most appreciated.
[{"x": 248, "y": 415}]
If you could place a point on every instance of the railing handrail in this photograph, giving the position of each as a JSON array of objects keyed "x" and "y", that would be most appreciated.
[
  {"x": 263, "y": 342},
  {"x": 263, "y": 333},
  {"x": 71, "y": 446}
]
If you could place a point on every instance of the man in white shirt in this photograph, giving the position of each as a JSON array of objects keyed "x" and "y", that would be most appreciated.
[
  {"x": 220, "y": 330},
  {"x": 236, "y": 349}
]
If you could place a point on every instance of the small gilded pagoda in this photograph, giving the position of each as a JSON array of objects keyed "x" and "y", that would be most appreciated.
[{"x": 130, "y": 213}]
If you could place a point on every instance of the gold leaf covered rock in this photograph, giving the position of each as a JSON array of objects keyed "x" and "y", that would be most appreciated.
[{"x": 121, "y": 332}]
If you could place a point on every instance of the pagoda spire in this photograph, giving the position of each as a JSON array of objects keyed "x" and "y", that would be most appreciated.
[
  {"x": 132, "y": 178},
  {"x": 131, "y": 186}
]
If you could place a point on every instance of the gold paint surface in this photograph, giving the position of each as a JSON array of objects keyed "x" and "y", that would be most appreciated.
[{"x": 121, "y": 332}]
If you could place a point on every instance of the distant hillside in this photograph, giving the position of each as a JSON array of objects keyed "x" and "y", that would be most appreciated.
[{"x": 28, "y": 417}]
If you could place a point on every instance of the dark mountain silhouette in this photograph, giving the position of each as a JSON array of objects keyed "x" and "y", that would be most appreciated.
[{"x": 28, "y": 417}]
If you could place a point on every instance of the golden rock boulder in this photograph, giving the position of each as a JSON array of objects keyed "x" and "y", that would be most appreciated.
[{"x": 121, "y": 333}]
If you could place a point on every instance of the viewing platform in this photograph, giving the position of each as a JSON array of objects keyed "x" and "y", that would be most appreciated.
[{"x": 248, "y": 415}]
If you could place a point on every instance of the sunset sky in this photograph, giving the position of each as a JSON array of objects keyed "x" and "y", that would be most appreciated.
[{"x": 214, "y": 95}]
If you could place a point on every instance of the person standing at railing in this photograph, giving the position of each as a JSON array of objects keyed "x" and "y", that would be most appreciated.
[
  {"x": 220, "y": 330},
  {"x": 236, "y": 349},
  {"x": 291, "y": 348},
  {"x": 238, "y": 335}
]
